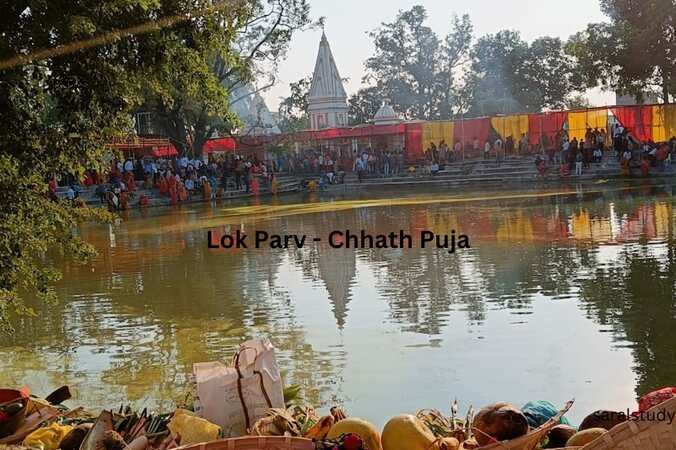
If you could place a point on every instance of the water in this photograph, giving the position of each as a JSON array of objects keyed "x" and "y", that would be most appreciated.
[{"x": 565, "y": 293}]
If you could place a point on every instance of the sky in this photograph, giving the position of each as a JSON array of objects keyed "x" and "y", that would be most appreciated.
[{"x": 349, "y": 21}]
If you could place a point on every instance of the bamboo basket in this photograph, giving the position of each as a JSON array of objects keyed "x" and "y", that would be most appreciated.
[
  {"x": 531, "y": 440},
  {"x": 643, "y": 435},
  {"x": 255, "y": 443}
]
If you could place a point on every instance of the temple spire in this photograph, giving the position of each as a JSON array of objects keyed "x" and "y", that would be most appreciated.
[{"x": 327, "y": 99}]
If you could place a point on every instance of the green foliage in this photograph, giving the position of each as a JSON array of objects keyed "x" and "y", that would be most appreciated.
[
  {"x": 293, "y": 109},
  {"x": 190, "y": 111},
  {"x": 634, "y": 53},
  {"x": 413, "y": 68},
  {"x": 58, "y": 113},
  {"x": 365, "y": 104},
  {"x": 509, "y": 75}
]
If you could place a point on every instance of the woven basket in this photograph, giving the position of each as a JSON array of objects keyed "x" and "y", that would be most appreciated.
[
  {"x": 531, "y": 440},
  {"x": 255, "y": 443},
  {"x": 643, "y": 435}
]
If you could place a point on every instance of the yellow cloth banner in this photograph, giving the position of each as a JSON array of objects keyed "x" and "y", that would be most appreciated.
[
  {"x": 659, "y": 130},
  {"x": 513, "y": 126},
  {"x": 578, "y": 122},
  {"x": 435, "y": 132},
  {"x": 664, "y": 122}
]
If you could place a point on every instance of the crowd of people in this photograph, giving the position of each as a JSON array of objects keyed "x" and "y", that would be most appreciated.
[
  {"x": 181, "y": 178},
  {"x": 577, "y": 156}
]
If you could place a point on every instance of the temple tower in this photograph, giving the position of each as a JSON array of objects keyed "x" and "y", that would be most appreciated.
[{"x": 328, "y": 100}]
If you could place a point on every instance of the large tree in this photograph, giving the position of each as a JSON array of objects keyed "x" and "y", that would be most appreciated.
[
  {"x": 71, "y": 72},
  {"x": 293, "y": 110},
  {"x": 189, "y": 118},
  {"x": 634, "y": 52},
  {"x": 413, "y": 68},
  {"x": 509, "y": 75}
]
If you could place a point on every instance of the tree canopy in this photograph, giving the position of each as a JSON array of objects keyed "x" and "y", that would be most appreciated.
[
  {"x": 634, "y": 52},
  {"x": 190, "y": 117},
  {"x": 72, "y": 71},
  {"x": 413, "y": 68},
  {"x": 510, "y": 75}
]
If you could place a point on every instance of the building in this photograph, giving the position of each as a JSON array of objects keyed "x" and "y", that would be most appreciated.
[
  {"x": 257, "y": 120},
  {"x": 327, "y": 100}
]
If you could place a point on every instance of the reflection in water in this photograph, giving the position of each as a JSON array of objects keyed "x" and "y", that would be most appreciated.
[{"x": 563, "y": 294}]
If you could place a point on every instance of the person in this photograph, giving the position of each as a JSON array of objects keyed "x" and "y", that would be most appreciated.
[
  {"x": 523, "y": 144},
  {"x": 273, "y": 184},
  {"x": 254, "y": 184},
  {"x": 312, "y": 186},
  {"x": 172, "y": 188},
  {"x": 163, "y": 185},
  {"x": 645, "y": 167},
  {"x": 189, "y": 184},
  {"x": 498, "y": 149},
  {"x": 181, "y": 191},
  {"x": 487, "y": 149},
  {"x": 129, "y": 165},
  {"x": 71, "y": 193},
  {"x": 206, "y": 189},
  {"x": 626, "y": 160},
  {"x": 541, "y": 165},
  {"x": 360, "y": 167},
  {"x": 101, "y": 193},
  {"x": 579, "y": 159}
]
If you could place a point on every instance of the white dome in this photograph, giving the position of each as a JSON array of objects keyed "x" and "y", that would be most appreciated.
[{"x": 385, "y": 114}]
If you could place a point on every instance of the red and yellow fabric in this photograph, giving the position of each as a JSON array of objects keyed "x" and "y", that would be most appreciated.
[
  {"x": 545, "y": 124},
  {"x": 664, "y": 122},
  {"x": 435, "y": 132},
  {"x": 414, "y": 146},
  {"x": 637, "y": 119},
  {"x": 468, "y": 130},
  {"x": 578, "y": 122},
  {"x": 513, "y": 126}
]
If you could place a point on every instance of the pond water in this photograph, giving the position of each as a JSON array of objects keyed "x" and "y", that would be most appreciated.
[{"x": 566, "y": 292}]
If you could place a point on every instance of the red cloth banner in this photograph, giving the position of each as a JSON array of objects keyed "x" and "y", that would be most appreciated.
[
  {"x": 163, "y": 151},
  {"x": 219, "y": 145},
  {"x": 414, "y": 146},
  {"x": 548, "y": 124},
  {"x": 638, "y": 120},
  {"x": 467, "y": 130}
]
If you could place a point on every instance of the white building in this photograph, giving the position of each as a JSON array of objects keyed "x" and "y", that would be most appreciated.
[{"x": 327, "y": 100}]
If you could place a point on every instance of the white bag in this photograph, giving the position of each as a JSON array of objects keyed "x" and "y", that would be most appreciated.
[{"x": 236, "y": 397}]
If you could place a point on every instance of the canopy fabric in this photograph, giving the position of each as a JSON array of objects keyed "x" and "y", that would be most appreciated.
[
  {"x": 164, "y": 151},
  {"x": 436, "y": 132},
  {"x": 414, "y": 147},
  {"x": 362, "y": 131},
  {"x": 466, "y": 131},
  {"x": 513, "y": 126},
  {"x": 579, "y": 121},
  {"x": 545, "y": 124},
  {"x": 637, "y": 119},
  {"x": 663, "y": 122},
  {"x": 219, "y": 145}
]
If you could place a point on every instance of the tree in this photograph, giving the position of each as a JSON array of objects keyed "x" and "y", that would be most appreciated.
[
  {"x": 413, "y": 68},
  {"x": 293, "y": 109},
  {"x": 71, "y": 72},
  {"x": 634, "y": 53},
  {"x": 364, "y": 105},
  {"x": 190, "y": 117},
  {"x": 510, "y": 76}
]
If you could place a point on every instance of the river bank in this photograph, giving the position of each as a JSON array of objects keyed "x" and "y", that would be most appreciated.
[{"x": 466, "y": 175}]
